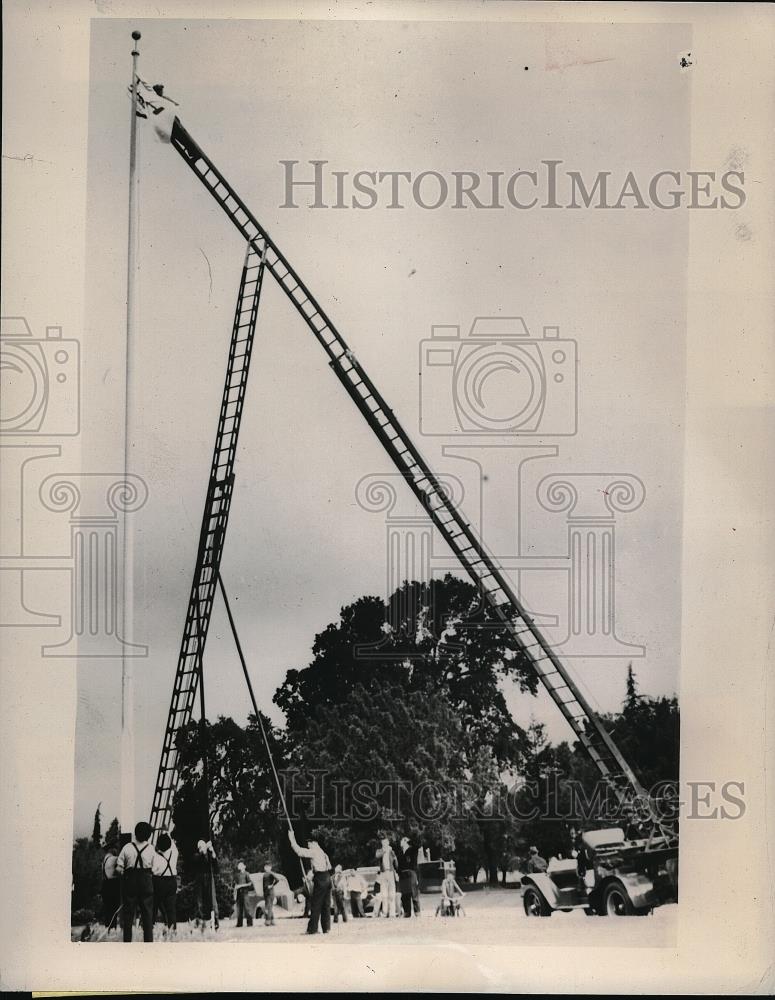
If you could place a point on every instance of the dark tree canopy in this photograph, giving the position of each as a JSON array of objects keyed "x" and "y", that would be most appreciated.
[
  {"x": 440, "y": 639},
  {"x": 243, "y": 800},
  {"x": 388, "y": 759}
]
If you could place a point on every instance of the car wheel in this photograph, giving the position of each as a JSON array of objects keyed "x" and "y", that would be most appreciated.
[
  {"x": 616, "y": 903},
  {"x": 534, "y": 903}
]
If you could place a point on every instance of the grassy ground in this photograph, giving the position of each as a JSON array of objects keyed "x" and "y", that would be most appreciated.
[{"x": 493, "y": 916}]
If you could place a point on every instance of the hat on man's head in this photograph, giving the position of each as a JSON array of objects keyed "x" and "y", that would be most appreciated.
[{"x": 534, "y": 850}]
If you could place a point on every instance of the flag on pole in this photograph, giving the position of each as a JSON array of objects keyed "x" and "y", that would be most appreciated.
[{"x": 151, "y": 101}]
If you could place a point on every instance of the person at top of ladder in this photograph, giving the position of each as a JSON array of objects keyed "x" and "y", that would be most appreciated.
[{"x": 135, "y": 866}]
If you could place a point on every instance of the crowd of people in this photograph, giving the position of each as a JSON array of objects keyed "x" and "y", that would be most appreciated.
[
  {"x": 142, "y": 880},
  {"x": 327, "y": 889}
]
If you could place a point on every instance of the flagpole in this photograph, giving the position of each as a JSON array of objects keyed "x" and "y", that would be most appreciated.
[{"x": 127, "y": 814}]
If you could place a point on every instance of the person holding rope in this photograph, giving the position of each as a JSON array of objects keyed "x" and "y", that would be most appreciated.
[
  {"x": 134, "y": 866},
  {"x": 320, "y": 905},
  {"x": 165, "y": 881},
  {"x": 206, "y": 867}
]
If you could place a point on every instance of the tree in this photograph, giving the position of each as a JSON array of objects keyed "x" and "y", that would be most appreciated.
[
  {"x": 564, "y": 785},
  {"x": 392, "y": 759},
  {"x": 436, "y": 638},
  {"x": 96, "y": 834},
  {"x": 87, "y": 876},
  {"x": 241, "y": 804},
  {"x": 542, "y": 798},
  {"x": 631, "y": 696},
  {"x": 113, "y": 835}
]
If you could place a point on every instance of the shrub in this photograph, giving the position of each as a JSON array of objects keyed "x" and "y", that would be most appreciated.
[{"x": 82, "y": 916}]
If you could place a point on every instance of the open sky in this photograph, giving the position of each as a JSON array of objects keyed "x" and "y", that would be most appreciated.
[{"x": 374, "y": 96}]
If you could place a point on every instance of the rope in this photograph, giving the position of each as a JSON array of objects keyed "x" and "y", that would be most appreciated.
[
  {"x": 256, "y": 711},
  {"x": 109, "y": 925},
  {"x": 205, "y": 766}
]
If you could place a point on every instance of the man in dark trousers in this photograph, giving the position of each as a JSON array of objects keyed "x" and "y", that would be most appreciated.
[
  {"x": 320, "y": 907},
  {"x": 269, "y": 881},
  {"x": 243, "y": 887},
  {"x": 408, "y": 885},
  {"x": 134, "y": 866},
  {"x": 165, "y": 881},
  {"x": 205, "y": 868}
]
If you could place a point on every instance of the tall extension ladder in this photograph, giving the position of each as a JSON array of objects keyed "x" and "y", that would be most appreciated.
[
  {"x": 471, "y": 552},
  {"x": 216, "y": 513}
]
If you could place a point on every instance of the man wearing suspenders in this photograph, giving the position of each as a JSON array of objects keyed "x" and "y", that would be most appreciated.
[
  {"x": 134, "y": 866},
  {"x": 165, "y": 880}
]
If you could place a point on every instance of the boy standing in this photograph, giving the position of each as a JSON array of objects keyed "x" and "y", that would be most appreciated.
[
  {"x": 243, "y": 885},
  {"x": 340, "y": 888},
  {"x": 270, "y": 881},
  {"x": 358, "y": 889}
]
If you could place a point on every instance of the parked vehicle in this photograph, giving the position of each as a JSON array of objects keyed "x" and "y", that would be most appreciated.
[{"x": 612, "y": 877}]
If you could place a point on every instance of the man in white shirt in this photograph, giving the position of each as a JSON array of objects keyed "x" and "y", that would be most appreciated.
[
  {"x": 388, "y": 872},
  {"x": 165, "y": 880},
  {"x": 135, "y": 866},
  {"x": 320, "y": 905},
  {"x": 358, "y": 889}
]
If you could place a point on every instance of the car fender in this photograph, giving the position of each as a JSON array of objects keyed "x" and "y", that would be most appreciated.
[
  {"x": 638, "y": 886},
  {"x": 544, "y": 884}
]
